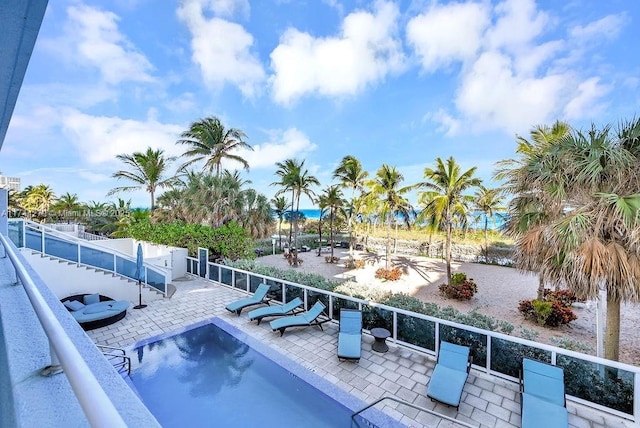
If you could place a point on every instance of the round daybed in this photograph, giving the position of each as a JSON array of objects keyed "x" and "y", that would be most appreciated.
[{"x": 95, "y": 310}]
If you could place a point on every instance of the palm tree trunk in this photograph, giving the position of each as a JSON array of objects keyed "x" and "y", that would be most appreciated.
[
  {"x": 448, "y": 252},
  {"x": 540, "y": 287},
  {"x": 331, "y": 232},
  {"x": 612, "y": 334},
  {"x": 280, "y": 231},
  {"x": 153, "y": 199},
  {"x": 320, "y": 234},
  {"x": 295, "y": 231},
  {"x": 486, "y": 241},
  {"x": 387, "y": 264}
]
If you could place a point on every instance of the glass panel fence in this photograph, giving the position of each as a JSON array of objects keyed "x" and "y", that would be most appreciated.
[
  {"x": 190, "y": 266},
  {"x": 506, "y": 356},
  {"x": 275, "y": 289},
  {"x": 293, "y": 292},
  {"x": 254, "y": 282},
  {"x": 417, "y": 331},
  {"x": 214, "y": 273},
  {"x": 96, "y": 258},
  {"x": 16, "y": 229},
  {"x": 240, "y": 281},
  {"x": 314, "y": 296},
  {"x": 226, "y": 276},
  {"x": 34, "y": 239},
  {"x": 598, "y": 383},
  {"x": 156, "y": 280},
  {"x": 339, "y": 303},
  {"x": 476, "y": 341},
  {"x": 373, "y": 317},
  {"x": 61, "y": 249},
  {"x": 126, "y": 267}
]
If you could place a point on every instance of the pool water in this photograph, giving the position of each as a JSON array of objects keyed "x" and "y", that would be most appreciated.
[{"x": 206, "y": 376}]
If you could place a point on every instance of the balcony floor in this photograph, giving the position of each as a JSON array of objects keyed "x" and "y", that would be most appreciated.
[{"x": 487, "y": 401}]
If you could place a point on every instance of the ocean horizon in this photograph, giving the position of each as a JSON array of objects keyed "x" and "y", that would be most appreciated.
[{"x": 476, "y": 218}]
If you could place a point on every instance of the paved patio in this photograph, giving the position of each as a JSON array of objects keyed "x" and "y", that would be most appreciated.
[{"x": 487, "y": 401}]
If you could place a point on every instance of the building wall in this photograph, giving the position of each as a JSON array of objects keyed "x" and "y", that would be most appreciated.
[{"x": 10, "y": 183}]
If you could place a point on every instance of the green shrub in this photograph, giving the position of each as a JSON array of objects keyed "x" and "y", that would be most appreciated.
[
  {"x": 460, "y": 291},
  {"x": 552, "y": 311}
]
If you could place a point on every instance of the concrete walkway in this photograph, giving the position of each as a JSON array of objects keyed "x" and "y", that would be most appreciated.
[{"x": 486, "y": 401}]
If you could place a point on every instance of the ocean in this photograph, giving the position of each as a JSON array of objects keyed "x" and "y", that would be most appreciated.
[{"x": 476, "y": 219}]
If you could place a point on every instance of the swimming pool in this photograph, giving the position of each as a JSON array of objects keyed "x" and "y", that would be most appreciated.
[{"x": 212, "y": 374}]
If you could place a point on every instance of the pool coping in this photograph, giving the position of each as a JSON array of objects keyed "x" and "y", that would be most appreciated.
[{"x": 351, "y": 402}]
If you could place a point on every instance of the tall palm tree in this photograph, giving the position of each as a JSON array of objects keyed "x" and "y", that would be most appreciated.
[
  {"x": 37, "y": 200},
  {"x": 207, "y": 139},
  {"x": 279, "y": 207},
  {"x": 147, "y": 170},
  {"x": 594, "y": 241},
  {"x": 535, "y": 179},
  {"x": 296, "y": 178},
  {"x": 446, "y": 185},
  {"x": 386, "y": 188},
  {"x": 333, "y": 201},
  {"x": 488, "y": 201},
  {"x": 351, "y": 175},
  {"x": 68, "y": 205}
]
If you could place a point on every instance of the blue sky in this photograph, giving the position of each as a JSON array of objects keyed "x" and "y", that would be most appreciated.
[{"x": 400, "y": 83}]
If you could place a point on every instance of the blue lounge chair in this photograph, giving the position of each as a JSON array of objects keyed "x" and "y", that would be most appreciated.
[
  {"x": 450, "y": 374},
  {"x": 350, "y": 335},
  {"x": 275, "y": 311},
  {"x": 303, "y": 320},
  {"x": 542, "y": 397},
  {"x": 260, "y": 296}
]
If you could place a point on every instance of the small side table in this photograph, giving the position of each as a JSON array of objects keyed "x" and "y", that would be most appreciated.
[{"x": 380, "y": 343}]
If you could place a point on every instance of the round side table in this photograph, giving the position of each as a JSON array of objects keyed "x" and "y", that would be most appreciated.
[{"x": 380, "y": 343}]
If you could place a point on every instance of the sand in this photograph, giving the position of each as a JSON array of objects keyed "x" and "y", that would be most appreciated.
[{"x": 499, "y": 291}]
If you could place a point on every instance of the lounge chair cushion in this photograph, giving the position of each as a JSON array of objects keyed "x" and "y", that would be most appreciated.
[
  {"x": 257, "y": 298},
  {"x": 299, "y": 320},
  {"x": 537, "y": 412},
  {"x": 73, "y": 305},
  {"x": 544, "y": 381},
  {"x": 453, "y": 356},
  {"x": 349, "y": 345},
  {"x": 446, "y": 385},
  {"x": 91, "y": 299},
  {"x": 267, "y": 311}
]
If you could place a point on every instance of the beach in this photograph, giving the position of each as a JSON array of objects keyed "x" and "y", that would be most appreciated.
[{"x": 500, "y": 289}]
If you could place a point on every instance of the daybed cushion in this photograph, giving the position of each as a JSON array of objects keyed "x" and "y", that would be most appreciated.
[
  {"x": 99, "y": 311},
  {"x": 74, "y": 305},
  {"x": 90, "y": 299}
]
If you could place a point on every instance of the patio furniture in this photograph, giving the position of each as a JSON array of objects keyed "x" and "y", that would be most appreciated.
[
  {"x": 350, "y": 335},
  {"x": 543, "y": 402},
  {"x": 95, "y": 310},
  {"x": 450, "y": 374},
  {"x": 309, "y": 318},
  {"x": 380, "y": 339},
  {"x": 259, "y": 297},
  {"x": 275, "y": 311}
]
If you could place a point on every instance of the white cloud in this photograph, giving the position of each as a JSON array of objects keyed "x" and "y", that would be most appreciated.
[
  {"x": 92, "y": 39},
  {"x": 282, "y": 145},
  {"x": 608, "y": 27},
  {"x": 518, "y": 24},
  {"x": 586, "y": 102},
  {"x": 222, "y": 49},
  {"x": 366, "y": 50},
  {"x": 228, "y": 8},
  {"x": 99, "y": 139},
  {"x": 449, "y": 125},
  {"x": 448, "y": 33}
]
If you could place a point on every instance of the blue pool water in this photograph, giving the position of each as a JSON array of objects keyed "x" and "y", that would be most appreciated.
[{"x": 207, "y": 376}]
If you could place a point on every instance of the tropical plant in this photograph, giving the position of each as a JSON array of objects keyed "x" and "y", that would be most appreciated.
[
  {"x": 68, "y": 205},
  {"x": 532, "y": 178},
  {"x": 446, "y": 184},
  {"x": 279, "y": 207},
  {"x": 295, "y": 177},
  {"x": 37, "y": 200},
  {"x": 488, "y": 202},
  {"x": 209, "y": 141},
  {"x": 147, "y": 171},
  {"x": 351, "y": 175},
  {"x": 590, "y": 238},
  {"x": 333, "y": 201}
]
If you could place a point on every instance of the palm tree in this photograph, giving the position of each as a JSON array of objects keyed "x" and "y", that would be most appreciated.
[
  {"x": 351, "y": 174},
  {"x": 447, "y": 203},
  {"x": 208, "y": 140},
  {"x": 332, "y": 200},
  {"x": 147, "y": 171},
  {"x": 279, "y": 207},
  {"x": 37, "y": 200},
  {"x": 386, "y": 188},
  {"x": 533, "y": 178},
  {"x": 590, "y": 237},
  {"x": 68, "y": 204},
  {"x": 488, "y": 201},
  {"x": 295, "y": 177}
]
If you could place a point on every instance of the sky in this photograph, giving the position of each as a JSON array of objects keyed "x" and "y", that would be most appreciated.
[{"x": 397, "y": 83}]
